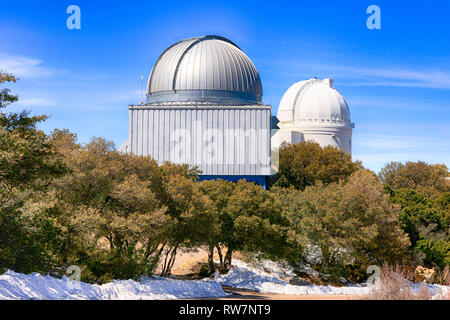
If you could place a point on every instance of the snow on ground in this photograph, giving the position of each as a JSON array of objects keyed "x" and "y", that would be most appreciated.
[
  {"x": 266, "y": 267},
  {"x": 437, "y": 291},
  {"x": 265, "y": 278},
  {"x": 19, "y": 286}
]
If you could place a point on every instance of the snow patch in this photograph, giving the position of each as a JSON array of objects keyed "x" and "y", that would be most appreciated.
[
  {"x": 266, "y": 279},
  {"x": 264, "y": 276},
  {"x": 17, "y": 286},
  {"x": 267, "y": 268},
  {"x": 244, "y": 278}
]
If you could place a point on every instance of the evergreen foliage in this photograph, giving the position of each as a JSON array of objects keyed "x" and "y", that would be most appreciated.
[
  {"x": 119, "y": 216},
  {"x": 306, "y": 164},
  {"x": 423, "y": 193}
]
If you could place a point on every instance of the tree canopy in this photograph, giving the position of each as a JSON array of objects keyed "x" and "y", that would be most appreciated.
[
  {"x": 28, "y": 162},
  {"x": 352, "y": 223},
  {"x": 423, "y": 192},
  {"x": 121, "y": 216},
  {"x": 306, "y": 164}
]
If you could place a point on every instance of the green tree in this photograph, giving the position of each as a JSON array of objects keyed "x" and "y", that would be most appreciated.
[
  {"x": 423, "y": 193},
  {"x": 306, "y": 164},
  {"x": 27, "y": 163},
  {"x": 429, "y": 180},
  {"x": 26, "y": 156},
  {"x": 436, "y": 252},
  {"x": 219, "y": 192},
  {"x": 109, "y": 210},
  {"x": 194, "y": 219},
  {"x": 6, "y": 97},
  {"x": 250, "y": 220},
  {"x": 353, "y": 223},
  {"x": 427, "y": 223}
]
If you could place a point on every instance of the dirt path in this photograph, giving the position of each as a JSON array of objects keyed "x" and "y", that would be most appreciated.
[
  {"x": 186, "y": 262},
  {"x": 242, "y": 294}
]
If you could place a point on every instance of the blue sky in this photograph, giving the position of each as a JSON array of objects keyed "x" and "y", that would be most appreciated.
[{"x": 396, "y": 80}]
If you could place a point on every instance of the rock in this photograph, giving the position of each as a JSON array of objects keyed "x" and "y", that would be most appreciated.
[
  {"x": 325, "y": 277},
  {"x": 424, "y": 275},
  {"x": 445, "y": 276},
  {"x": 300, "y": 282}
]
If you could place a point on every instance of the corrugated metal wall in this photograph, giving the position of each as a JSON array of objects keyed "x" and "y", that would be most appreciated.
[{"x": 219, "y": 140}]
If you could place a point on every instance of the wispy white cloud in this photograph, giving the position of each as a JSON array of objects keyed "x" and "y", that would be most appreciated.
[
  {"x": 400, "y": 77},
  {"x": 25, "y": 67},
  {"x": 397, "y": 103},
  {"x": 87, "y": 99},
  {"x": 36, "y": 102},
  {"x": 438, "y": 129},
  {"x": 399, "y": 142},
  {"x": 395, "y": 76}
]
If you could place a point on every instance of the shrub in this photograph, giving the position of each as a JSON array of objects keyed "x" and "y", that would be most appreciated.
[
  {"x": 306, "y": 164},
  {"x": 396, "y": 284}
]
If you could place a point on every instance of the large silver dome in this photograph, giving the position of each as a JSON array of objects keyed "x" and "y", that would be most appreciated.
[{"x": 209, "y": 69}]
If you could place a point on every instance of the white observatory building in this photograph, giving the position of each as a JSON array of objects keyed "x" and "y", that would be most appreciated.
[
  {"x": 204, "y": 108},
  {"x": 314, "y": 110}
]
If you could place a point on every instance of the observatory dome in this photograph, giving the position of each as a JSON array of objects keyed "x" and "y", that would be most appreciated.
[
  {"x": 313, "y": 102},
  {"x": 209, "y": 69},
  {"x": 313, "y": 110}
]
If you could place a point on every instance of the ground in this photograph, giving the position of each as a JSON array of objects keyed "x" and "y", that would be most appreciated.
[
  {"x": 187, "y": 262},
  {"x": 257, "y": 280},
  {"x": 242, "y": 294}
]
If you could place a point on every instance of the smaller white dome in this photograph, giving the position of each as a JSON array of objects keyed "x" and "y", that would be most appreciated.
[{"x": 313, "y": 102}]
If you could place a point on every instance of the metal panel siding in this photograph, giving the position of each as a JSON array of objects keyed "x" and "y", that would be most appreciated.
[
  {"x": 202, "y": 145},
  {"x": 166, "y": 136},
  {"x": 242, "y": 146},
  {"x": 153, "y": 115},
  {"x": 152, "y": 133},
  {"x": 145, "y": 132},
  {"x": 130, "y": 132},
  {"x": 252, "y": 153},
  {"x": 160, "y": 154},
  {"x": 198, "y": 131},
  {"x": 135, "y": 133},
  {"x": 178, "y": 156},
  {"x": 225, "y": 166},
  {"x": 168, "y": 141},
  {"x": 248, "y": 143},
  {"x": 140, "y": 129},
  {"x": 219, "y": 120}
]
